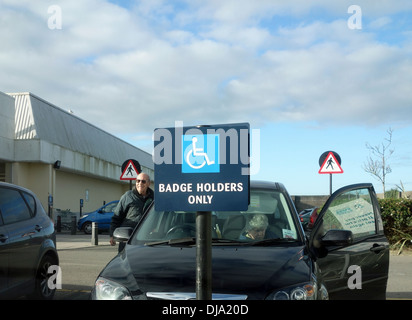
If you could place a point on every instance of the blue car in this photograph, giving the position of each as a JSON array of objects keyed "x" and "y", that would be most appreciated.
[{"x": 103, "y": 217}]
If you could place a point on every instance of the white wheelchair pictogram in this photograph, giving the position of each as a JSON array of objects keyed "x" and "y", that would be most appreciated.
[{"x": 197, "y": 152}]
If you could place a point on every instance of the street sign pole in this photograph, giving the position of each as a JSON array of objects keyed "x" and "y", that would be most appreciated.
[
  {"x": 203, "y": 255},
  {"x": 330, "y": 184}
]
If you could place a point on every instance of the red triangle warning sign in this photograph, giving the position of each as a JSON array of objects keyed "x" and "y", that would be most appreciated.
[
  {"x": 330, "y": 165},
  {"x": 130, "y": 172}
]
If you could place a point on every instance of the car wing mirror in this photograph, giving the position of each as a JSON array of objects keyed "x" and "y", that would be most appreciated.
[
  {"x": 336, "y": 237},
  {"x": 122, "y": 234}
]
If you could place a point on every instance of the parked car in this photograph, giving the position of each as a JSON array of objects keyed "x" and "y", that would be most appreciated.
[
  {"x": 103, "y": 217},
  {"x": 314, "y": 215},
  {"x": 304, "y": 217},
  {"x": 308, "y": 217},
  {"x": 27, "y": 245},
  {"x": 159, "y": 259}
]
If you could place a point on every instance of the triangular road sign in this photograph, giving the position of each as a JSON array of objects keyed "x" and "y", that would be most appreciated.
[
  {"x": 330, "y": 165},
  {"x": 130, "y": 172}
]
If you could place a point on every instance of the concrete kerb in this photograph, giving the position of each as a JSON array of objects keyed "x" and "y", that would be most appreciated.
[{"x": 65, "y": 241}]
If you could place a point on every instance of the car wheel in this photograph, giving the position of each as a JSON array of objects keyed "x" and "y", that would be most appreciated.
[
  {"x": 43, "y": 290},
  {"x": 87, "y": 228}
]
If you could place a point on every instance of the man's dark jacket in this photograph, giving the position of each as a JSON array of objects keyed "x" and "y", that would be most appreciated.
[{"x": 130, "y": 208}]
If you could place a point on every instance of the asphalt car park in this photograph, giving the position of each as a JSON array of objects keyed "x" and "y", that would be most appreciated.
[{"x": 81, "y": 262}]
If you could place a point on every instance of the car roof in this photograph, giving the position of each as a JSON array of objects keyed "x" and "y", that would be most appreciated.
[
  {"x": 259, "y": 184},
  {"x": 15, "y": 186}
]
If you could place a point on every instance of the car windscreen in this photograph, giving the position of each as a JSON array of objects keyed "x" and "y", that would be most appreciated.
[{"x": 268, "y": 217}]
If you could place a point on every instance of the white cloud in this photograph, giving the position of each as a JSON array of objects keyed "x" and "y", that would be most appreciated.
[
  {"x": 213, "y": 62},
  {"x": 380, "y": 22}
]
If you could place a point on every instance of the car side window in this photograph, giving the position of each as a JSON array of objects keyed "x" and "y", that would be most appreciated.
[
  {"x": 31, "y": 202},
  {"x": 110, "y": 207},
  {"x": 354, "y": 211},
  {"x": 13, "y": 207}
]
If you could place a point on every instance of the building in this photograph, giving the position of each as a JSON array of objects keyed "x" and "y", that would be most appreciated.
[{"x": 61, "y": 157}]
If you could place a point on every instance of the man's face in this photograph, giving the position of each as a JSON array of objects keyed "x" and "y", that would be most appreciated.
[{"x": 142, "y": 183}]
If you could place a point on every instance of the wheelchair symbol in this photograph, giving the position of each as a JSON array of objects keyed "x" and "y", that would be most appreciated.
[
  {"x": 200, "y": 153},
  {"x": 197, "y": 152}
]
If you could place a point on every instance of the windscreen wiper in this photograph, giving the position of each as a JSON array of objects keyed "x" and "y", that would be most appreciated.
[
  {"x": 226, "y": 241},
  {"x": 180, "y": 241},
  {"x": 268, "y": 242},
  {"x": 192, "y": 241}
]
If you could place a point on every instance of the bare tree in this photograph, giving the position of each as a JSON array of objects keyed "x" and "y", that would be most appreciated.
[{"x": 377, "y": 164}]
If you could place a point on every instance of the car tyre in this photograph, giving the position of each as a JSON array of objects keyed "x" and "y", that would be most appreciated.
[
  {"x": 42, "y": 291},
  {"x": 87, "y": 228}
]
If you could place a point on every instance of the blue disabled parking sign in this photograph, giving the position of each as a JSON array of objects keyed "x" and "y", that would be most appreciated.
[
  {"x": 202, "y": 168},
  {"x": 200, "y": 153}
]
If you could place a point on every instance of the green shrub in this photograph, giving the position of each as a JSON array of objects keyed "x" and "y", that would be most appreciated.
[{"x": 397, "y": 220}]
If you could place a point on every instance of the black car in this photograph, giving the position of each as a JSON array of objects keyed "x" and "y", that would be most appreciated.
[
  {"x": 262, "y": 253},
  {"x": 27, "y": 245}
]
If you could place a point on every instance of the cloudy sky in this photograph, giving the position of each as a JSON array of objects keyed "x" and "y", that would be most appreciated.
[{"x": 310, "y": 76}]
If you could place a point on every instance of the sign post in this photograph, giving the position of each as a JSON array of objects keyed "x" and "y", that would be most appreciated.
[
  {"x": 203, "y": 255},
  {"x": 329, "y": 163},
  {"x": 202, "y": 169}
]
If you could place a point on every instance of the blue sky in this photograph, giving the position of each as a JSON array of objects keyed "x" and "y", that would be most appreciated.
[{"x": 293, "y": 69}]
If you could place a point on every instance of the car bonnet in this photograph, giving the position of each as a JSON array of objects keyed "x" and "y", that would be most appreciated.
[{"x": 246, "y": 270}]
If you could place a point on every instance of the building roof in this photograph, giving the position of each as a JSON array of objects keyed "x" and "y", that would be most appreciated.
[{"x": 38, "y": 119}]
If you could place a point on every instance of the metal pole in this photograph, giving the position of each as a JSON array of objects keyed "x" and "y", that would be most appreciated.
[
  {"x": 59, "y": 224},
  {"x": 95, "y": 234},
  {"x": 330, "y": 184},
  {"x": 73, "y": 225},
  {"x": 204, "y": 255}
]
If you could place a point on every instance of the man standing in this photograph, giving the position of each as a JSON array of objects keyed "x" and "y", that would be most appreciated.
[{"x": 131, "y": 206}]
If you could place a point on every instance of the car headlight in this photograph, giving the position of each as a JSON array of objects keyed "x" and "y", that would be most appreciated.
[
  {"x": 83, "y": 217},
  {"x": 305, "y": 291},
  {"x": 105, "y": 289}
]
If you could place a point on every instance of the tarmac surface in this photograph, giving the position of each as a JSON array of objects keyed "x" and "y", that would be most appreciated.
[
  {"x": 400, "y": 266},
  {"x": 67, "y": 241}
]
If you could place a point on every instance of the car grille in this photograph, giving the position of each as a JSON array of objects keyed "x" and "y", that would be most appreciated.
[{"x": 191, "y": 296}]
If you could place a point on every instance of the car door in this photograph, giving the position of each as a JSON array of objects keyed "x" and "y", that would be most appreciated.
[
  {"x": 22, "y": 245},
  {"x": 4, "y": 256},
  {"x": 358, "y": 270}
]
